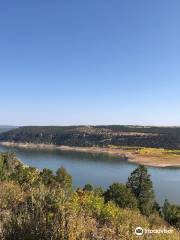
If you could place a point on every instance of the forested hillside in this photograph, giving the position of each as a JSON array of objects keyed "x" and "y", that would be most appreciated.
[
  {"x": 86, "y": 136},
  {"x": 6, "y": 128}
]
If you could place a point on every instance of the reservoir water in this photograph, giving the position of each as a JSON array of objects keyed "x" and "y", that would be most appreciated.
[{"x": 100, "y": 170}]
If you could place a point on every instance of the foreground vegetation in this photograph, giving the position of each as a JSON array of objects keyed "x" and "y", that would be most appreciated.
[
  {"x": 40, "y": 205},
  {"x": 101, "y": 136}
]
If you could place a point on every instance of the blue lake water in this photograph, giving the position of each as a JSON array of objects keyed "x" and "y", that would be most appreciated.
[{"x": 100, "y": 169}]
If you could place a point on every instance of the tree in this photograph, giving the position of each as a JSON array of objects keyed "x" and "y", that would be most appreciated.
[
  {"x": 141, "y": 186},
  {"x": 88, "y": 188},
  {"x": 121, "y": 195},
  {"x": 47, "y": 177},
  {"x": 7, "y": 165},
  {"x": 99, "y": 191},
  {"x": 64, "y": 178},
  {"x": 171, "y": 213},
  {"x": 18, "y": 174},
  {"x": 25, "y": 176}
]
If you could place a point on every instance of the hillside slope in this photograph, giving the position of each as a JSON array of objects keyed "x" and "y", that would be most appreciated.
[
  {"x": 42, "y": 205},
  {"x": 88, "y": 136},
  {"x": 6, "y": 128}
]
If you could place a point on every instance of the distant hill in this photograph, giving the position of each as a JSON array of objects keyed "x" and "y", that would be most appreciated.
[
  {"x": 6, "y": 128},
  {"x": 87, "y": 136}
]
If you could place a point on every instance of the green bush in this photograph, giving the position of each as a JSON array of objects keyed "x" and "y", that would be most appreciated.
[{"x": 121, "y": 195}]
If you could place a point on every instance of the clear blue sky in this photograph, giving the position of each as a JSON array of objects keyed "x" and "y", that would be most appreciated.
[{"x": 66, "y": 62}]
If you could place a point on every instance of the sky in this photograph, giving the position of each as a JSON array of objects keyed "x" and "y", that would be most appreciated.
[{"x": 74, "y": 62}]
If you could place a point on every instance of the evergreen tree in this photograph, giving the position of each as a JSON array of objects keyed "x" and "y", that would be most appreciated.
[
  {"x": 171, "y": 213},
  {"x": 141, "y": 186},
  {"x": 47, "y": 177},
  {"x": 88, "y": 188},
  {"x": 64, "y": 178},
  {"x": 121, "y": 195}
]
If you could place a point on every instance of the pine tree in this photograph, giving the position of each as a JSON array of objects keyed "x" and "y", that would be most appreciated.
[
  {"x": 121, "y": 195},
  {"x": 64, "y": 178},
  {"x": 141, "y": 186}
]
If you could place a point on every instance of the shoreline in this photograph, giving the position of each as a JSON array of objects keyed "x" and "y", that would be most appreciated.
[{"x": 133, "y": 156}]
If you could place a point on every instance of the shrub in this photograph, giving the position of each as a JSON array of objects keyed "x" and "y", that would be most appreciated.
[{"x": 121, "y": 195}]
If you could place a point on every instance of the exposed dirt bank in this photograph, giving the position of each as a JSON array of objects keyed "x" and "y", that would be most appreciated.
[{"x": 152, "y": 158}]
